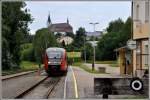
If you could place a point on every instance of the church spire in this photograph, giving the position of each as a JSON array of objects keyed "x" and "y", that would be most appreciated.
[
  {"x": 49, "y": 22},
  {"x": 67, "y": 21}
]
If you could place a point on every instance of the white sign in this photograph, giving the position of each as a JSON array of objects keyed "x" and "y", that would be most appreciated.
[
  {"x": 131, "y": 44},
  {"x": 94, "y": 43}
]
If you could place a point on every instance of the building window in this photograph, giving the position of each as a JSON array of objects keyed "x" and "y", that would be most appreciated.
[
  {"x": 146, "y": 11},
  {"x": 146, "y": 56},
  {"x": 137, "y": 12},
  {"x": 146, "y": 53},
  {"x": 138, "y": 55}
]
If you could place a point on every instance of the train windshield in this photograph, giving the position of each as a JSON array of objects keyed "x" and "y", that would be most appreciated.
[{"x": 54, "y": 54}]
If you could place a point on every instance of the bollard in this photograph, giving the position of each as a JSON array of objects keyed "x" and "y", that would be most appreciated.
[
  {"x": 105, "y": 96},
  {"x": 38, "y": 72}
]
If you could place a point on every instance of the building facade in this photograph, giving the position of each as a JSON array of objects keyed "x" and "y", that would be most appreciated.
[
  {"x": 68, "y": 40},
  {"x": 141, "y": 16},
  {"x": 59, "y": 27}
]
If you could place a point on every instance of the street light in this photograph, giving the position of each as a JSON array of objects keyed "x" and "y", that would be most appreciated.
[
  {"x": 93, "y": 64},
  {"x": 84, "y": 50}
]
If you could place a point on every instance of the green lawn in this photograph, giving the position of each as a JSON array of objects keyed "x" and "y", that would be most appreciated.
[
  {"x": 111, "y": 63},
  {"x": 136, "y": 97},
  {"x": 24, "y": 66},
  {"x": 102, "y": 62},
  {"x": 77, "y": 63},
  {"x": 114, "y": 65}
]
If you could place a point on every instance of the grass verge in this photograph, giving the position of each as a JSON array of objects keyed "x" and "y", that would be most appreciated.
[
  {"x": 136, "y": 97},
  {"x": 87, "y": 69},
  {"x": 24, "y": 66},
  {"x": 111, "y": 63}
]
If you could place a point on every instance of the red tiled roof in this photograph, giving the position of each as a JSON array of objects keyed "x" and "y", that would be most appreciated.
[{"x": 60, "y": 27}]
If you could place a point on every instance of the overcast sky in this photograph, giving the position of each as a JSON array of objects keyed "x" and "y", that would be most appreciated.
[{"x": 80, "y": 14}]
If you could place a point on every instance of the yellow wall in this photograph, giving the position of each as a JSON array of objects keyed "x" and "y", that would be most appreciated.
[
  {"x": 135, "y": 59},
  {"x": 141, "y": 31}
]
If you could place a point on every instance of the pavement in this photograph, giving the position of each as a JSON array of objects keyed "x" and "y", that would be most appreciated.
[
  {"x": 109, "y": 69},
  {"x": 85, "y": 83}
]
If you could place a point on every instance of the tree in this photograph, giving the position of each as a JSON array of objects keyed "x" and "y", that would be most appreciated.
[
  {"x": 27, "y": 52},
  {"x": 115, "y": 38},
  {"x": 70, "y": 34},
  {"x": 79, "y": 38},
  {"x": 89, "y": 51},
  {"x": 15, "y": 22},
  {"x": 58, "y": 35},
  {"x": 115, "y": 26},
  {"x": 43, "y": 39}
]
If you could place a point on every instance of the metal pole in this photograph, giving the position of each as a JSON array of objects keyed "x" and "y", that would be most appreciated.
[
  {"x": 149, "y": 41},
  {"x": 84, "y": 51},
  {"x": 132, "y": 37},
  {"x": 94, "y": 49},
  {"x": 93, "y": 64}
]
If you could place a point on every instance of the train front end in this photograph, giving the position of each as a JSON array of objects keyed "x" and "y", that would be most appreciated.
[{"x": 55, "y": 61}]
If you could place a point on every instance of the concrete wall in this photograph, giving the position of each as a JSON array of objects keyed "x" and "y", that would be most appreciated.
[{"x": 118, "y": 86}]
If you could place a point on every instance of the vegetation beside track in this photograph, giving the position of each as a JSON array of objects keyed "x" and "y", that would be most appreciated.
[
  {"x": 86, "y": 68},
  {"x": 24, "y": 66},
  {"x": 136, "y": 97},
  {"x": 111, "y": 63},
  {"x": 102, "y": 62}
]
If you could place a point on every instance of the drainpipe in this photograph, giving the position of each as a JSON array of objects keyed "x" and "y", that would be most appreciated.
[
  {"x": 132, "y": 36},
  {"x": 149, "y": 37},
  {"x": 149, "y": 42}
]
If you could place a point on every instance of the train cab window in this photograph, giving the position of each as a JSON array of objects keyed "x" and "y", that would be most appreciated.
[{"x": 54, "y": 54}]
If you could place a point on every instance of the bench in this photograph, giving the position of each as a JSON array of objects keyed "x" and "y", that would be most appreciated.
[{"x": 102, "y": 69}]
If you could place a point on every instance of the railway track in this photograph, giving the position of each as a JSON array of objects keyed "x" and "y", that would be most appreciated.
[{"x": 41, "y": 90}]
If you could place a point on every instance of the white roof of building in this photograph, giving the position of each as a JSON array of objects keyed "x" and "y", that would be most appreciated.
[{"x": 97, "y": 33}]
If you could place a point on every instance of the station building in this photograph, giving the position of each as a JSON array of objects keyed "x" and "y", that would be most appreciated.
[{"x": 141, "y": 31}]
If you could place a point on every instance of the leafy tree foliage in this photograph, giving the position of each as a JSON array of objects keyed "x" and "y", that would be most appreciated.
[
  {"x": 115, "y": 26},
  {"x": 27, "y": 52},
  {"x": 43, "y": 40},
  {"x": 79, "y": 38},
  {"x": 58, "y": 35},
  {"x": 89, "y": 51},
  {"x": 15, "y": 22},
  {"x": 70, "y": 34},
  {"x": 28, "y": 38},
  {"x": 116, "y": 37}
]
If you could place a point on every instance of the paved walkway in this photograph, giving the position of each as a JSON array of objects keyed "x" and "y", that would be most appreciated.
[
  {"x": 85, "y": 83},
  {"x": 109, "y": 69}
]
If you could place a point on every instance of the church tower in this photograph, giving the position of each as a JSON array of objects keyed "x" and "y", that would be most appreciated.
[
  {"x": 67, "y": 21},
  {"x": 49, "y": 22}
]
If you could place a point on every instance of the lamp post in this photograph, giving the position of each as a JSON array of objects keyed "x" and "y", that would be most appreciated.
[
  {"x": 84, "y": 50},
  {"x": 93, "y": 63}
]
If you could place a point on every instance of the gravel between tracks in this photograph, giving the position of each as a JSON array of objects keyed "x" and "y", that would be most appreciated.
[{"x": 43, "y": 90}]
